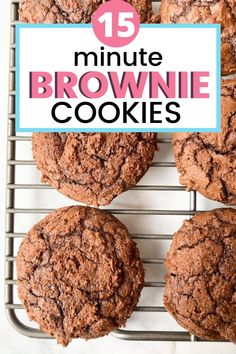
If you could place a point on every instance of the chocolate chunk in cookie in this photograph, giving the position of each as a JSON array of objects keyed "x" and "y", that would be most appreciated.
[
  {"x": 79, "y": 273},
  {"x": 93, "y": 168},
  {"x": 201, "y": 279},
  {"x": 207, "y": 161},
  {"x": 205, "y": 11}
]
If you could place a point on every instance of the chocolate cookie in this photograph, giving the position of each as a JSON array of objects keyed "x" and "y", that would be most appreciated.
[
  {"x": 93, "y": 168},
  {"x": 207, "y": 161},
  {"x": 72, "y": 11},
  {"x": 79, "y": 274},
  {"x": 200, "y": 290},
  {"x": 205, "y": 11}
]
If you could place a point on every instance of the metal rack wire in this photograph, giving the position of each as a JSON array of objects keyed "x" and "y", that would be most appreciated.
[{"x": 12, "y": 235}]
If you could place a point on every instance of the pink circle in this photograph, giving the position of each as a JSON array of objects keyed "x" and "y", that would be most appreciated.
[{"x": 116, "y": 23}]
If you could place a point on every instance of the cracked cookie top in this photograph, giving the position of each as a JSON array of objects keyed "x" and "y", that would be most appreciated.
[
  {"x": 207, "y": 161},
  {"x": 207, "y": 11},
  {"x": 79, "y": 274},
  {"x": 73, "y": 11},
  {"x": 200, "y": 290},
  {"x": 93, "y": 168}
]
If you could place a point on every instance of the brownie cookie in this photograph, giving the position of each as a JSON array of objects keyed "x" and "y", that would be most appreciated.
[
  {"x": 93, "y": 168},
  {"x": 79, "y": 273},
  {"x": 72, "y": 11},
  {"x": 207, "y": 161},
  {"x": 205, "y": 11},
  {"x": 200, "y": 290}
]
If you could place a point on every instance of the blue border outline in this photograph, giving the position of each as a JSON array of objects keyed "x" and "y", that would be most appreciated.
[
  {"x": 167, "y": 130},
  {"x": 17, "y": 77}
]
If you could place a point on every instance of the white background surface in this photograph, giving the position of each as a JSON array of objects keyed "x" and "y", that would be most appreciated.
[
  {"x": 13, "y": 343},
  {"x": 181, "y": 50}
]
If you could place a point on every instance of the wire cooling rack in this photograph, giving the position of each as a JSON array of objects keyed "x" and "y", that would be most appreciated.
[{"x": 23, "y": 186}]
